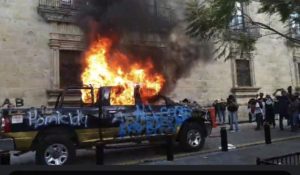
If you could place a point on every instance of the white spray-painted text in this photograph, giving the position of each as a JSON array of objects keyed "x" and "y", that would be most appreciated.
[{"x": 35, "y": 120}]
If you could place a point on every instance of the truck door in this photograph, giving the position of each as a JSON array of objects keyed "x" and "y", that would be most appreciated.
[{"x": 120, "y": 121}]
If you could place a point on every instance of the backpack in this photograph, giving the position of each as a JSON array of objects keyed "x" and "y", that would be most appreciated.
[{"x": 233, "y": 106}]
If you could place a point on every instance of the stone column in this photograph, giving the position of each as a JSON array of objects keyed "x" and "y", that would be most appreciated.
[{"x": 56, "y": 73}]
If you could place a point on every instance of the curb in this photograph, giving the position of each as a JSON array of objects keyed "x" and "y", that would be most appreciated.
[{"x": 182, "y": 155}]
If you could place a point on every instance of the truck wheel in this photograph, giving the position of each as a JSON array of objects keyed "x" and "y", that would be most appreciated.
[
  {"x": 192, "y": 137},
  {"x": 55, "y": 150}
]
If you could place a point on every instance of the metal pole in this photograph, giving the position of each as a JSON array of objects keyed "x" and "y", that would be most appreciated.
[
  {"x": 170, "y": 148},
  {"x": 267, "y": 134},
  {"x": 100, "y": 154},
  {"x": 224, "y": 141}
]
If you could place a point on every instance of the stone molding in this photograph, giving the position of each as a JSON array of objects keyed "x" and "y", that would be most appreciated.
[
  {"x": 59, "y": 42},
  {"x": 66, "y": 41},
  {"x": 234, "y": 70},
  {"x": 245, "y": 89}
]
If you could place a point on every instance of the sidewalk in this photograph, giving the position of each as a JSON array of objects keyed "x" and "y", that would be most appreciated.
[
  {"x": 243, "y": 156},
  {"x": 247, "y": 137}
]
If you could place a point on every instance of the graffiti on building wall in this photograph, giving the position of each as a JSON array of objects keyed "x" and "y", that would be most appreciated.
[
  {"x": 144, "y": 120},
  {"x": 36, "y": 120},
  {"x": 19, "y": 102}
]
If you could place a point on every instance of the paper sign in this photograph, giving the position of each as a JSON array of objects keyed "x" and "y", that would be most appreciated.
[
  {"x": 230, "y": 146},
  {"x": 16, "y": 119}
]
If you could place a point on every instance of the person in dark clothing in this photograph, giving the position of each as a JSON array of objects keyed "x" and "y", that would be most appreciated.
[
  {"x": 294, "y": 112},
  {"x": 290, "y": 96},
  {"x": 261, "y": 101},
  {"x": 276, "y": 107},
  {"x": 232, "y": 108},
  {"x": 223, "y": 109},
  {"x": 220, "y": 107},
  {"x": 270, "y": 115},
  {"x": 283, "y": 104},
  {"x": 216, "y": 105},
  {"x": 251, "y": 114},
  {"x": 290, "y": 91}
]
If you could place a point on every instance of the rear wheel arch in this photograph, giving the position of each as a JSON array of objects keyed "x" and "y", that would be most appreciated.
[
  {"x": 192, "y": 120},
  {"x": 55, "y": 130}
]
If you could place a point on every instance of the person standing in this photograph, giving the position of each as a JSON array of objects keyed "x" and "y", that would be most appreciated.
[
  {"x": 270, "y": 114},
  {"x": 283, "y": 104},
  {"x": 290, "y": 96},
  {"x": 251, "y": 108},
  {"x": 217, "y": 107},
  {"x": 232, "y": 108},
  {"x": 223, "y": 110},
  {"x": 294, "y": 112},
  {"x": 261, "y": 101},
  {"x": 256, "y": 110}
]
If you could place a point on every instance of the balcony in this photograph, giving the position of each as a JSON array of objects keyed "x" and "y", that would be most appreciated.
[
  {"x": 295, "y": 33},
  {"x": 58, "y": 10},
  {"x": 247, "y": 29}
]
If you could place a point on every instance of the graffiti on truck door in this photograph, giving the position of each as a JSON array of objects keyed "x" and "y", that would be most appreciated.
[
  {"x": 145, "y": 121},
  {"x": 37, "y": 120}
]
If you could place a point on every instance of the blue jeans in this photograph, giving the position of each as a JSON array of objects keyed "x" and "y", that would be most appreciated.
[
  {"x": 221, "y": 116},
  {"x": 233, "y": 120},
  {"x": 294, "y": 119}
]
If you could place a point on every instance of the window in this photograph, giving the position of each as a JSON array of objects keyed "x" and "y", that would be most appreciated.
[
  {"x": 162, "y": 11},
  {"x": 66, "y": 3},
  {"x": 295, "y": 24},
  {"x": 243, "y": 73},
  {"x": 238, "y": 22},
  {"x": 70, "y": 68}
]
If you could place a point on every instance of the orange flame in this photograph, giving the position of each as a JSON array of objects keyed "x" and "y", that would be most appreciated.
[{"x": 104, "y": 68}]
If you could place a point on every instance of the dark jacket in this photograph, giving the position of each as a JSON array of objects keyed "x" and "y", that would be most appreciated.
[
  {"x": 294, "y": 107},
  {"x": 252, "y": 105},
  {"x": 269, "y": 105},
  {"x": 232, "y": 105},
  {"x": 283, "y": 105},
  {"x": 223, "y": 106}
]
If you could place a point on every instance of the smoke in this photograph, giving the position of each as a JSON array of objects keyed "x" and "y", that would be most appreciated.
[
  {"x": 116, "y": 18},
  {"x": 119, "y": 19}
]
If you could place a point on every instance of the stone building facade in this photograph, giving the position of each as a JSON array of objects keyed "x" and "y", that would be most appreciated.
[{"x": 36, "y": 36}]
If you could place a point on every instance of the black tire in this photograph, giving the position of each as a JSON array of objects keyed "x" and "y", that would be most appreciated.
[
  {"x": 54, "y": 140},
  {"x": 184, "y": 138}
]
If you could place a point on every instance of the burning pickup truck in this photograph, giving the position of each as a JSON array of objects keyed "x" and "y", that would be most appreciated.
[{"x": 56, "y": 133}]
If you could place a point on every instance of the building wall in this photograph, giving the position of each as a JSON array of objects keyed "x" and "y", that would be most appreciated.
[
  {"x": 273, "y": 66},
  {"x": 28, "y": 67}
]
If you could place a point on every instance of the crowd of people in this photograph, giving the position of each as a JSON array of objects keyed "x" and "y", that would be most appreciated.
[{"x": 263, "y": 109}]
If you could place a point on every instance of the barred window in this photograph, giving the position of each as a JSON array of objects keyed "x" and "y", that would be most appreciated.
[
  {"x": 295, "y": 24},
  {"x": 70, "y": 68},
  {"x": 243, "y": 73},
  {"x": 238, "y": 21},
  {"x": 66, "y": 2}
]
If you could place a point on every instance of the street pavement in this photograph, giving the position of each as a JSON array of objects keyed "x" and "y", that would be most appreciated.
[{"x": 246, "y": 138}]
